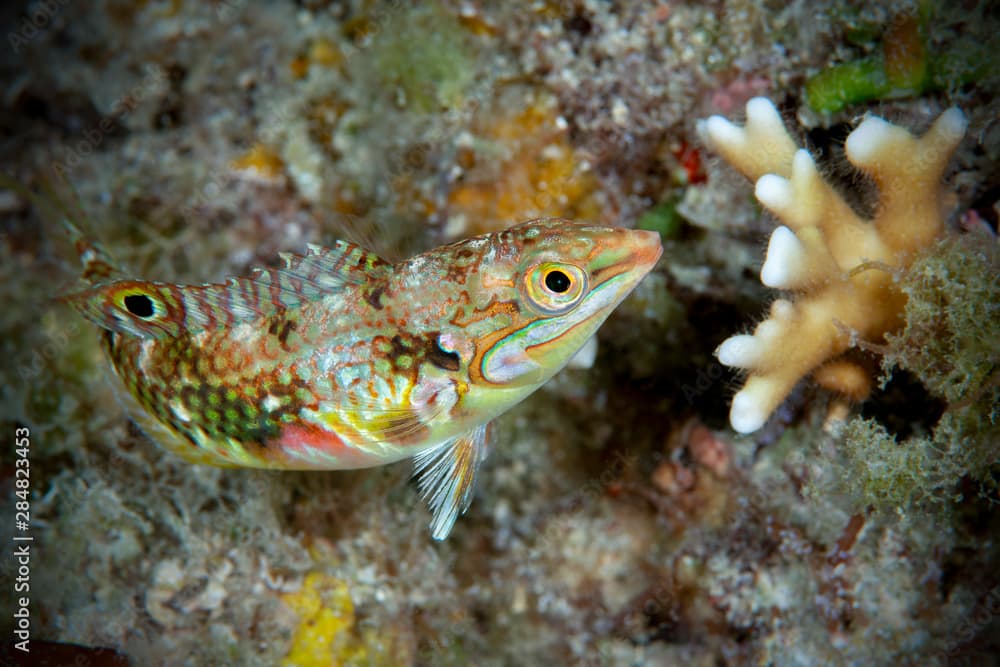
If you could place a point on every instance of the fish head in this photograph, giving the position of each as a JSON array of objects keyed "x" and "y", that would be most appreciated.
[{"x": 541, "y": 290}]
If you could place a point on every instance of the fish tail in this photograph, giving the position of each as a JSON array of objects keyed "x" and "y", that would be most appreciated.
[{"x": 97, "y": 264}]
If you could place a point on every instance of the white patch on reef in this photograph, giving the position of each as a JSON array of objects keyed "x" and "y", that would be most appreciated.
[
  {"x": 619, "y": 112},
  {"x": 722, "y": 132},
  {"x": 762, "y": 112}
]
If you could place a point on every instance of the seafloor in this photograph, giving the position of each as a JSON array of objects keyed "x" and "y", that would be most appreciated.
[{"x": 619, "y": 519}]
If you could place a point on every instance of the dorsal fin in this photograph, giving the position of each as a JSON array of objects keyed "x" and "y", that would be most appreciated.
[
  {"x": 155, "y": 309},
  {"x": 97, "y": 263},
  {"x": 316, "y": 274},
  {"x": 321, "y": 270}
]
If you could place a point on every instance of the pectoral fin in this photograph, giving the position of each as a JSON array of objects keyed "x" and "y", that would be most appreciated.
[{"x": 446, "y": 475}]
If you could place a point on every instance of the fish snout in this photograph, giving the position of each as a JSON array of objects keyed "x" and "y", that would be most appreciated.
[{"x": 647, "y": 248}]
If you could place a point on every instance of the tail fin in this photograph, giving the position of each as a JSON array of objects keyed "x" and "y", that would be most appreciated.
[{"x": 97, "y": 264}]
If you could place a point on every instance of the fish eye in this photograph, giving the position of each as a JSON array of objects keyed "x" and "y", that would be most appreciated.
[
  {"x": 554, "y": 288},
  {"x": 139, "y": 305},
  {"x": 557, "y": 281}
]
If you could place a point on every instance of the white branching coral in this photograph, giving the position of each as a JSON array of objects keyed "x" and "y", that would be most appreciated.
[{"x": 839, "y": 267}]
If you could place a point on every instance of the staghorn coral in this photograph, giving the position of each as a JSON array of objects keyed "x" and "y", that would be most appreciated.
[{"x": 841, "y": 266}]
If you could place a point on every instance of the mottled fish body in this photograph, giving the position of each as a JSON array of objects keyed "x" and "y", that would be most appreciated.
[{"x": 343, "y": 360}]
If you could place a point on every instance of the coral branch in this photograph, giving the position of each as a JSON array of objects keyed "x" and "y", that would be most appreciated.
[
  {"x": 761, "y": 147},
  {"x": 908, "y": 172},
  {"x": 822, "y": 243}
]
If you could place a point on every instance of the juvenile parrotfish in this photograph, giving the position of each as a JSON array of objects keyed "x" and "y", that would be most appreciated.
[{"x": 341, "y": 359}]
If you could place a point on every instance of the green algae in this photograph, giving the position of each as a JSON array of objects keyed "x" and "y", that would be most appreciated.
[
  {"x": 425, "y": 54},
  {"x": 849, "y": 83},
  {"x": 663, "y": 218},
  {"x": 951, "y": 336},
  {"x": 951, "y": 343},
  {"x": 907, "y": 62}
]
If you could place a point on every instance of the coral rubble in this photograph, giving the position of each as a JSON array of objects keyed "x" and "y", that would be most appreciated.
[{"x": 841, "y": 267}]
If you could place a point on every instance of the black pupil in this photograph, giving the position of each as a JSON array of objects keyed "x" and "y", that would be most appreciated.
[
  {"x": 139, "y": 305},
  {"x": 557, "y": 281}
]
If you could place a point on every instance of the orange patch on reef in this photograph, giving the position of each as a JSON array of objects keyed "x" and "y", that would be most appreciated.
[
  {"x": 259, "y": 163},
  {"x": 523, "y": 166},
  {"x": 905, "y": 53}
]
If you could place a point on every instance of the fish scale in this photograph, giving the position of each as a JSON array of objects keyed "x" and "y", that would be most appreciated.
[{"x": 342, "y": 360}]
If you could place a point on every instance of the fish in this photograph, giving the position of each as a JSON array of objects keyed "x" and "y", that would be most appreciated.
[{"x": 341, "y": 359}]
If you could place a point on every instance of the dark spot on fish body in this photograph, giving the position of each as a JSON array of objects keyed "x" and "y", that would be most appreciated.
[
  {"x": 457, "y": 273},
  {"x": 109, "y": 339},
  {"x": 374, "y": 297},
  {"x": 529, "y": 241},
  {"x": 288, "y": 327},
  {"x": 443, "y": 359},
  {"x": 400, "y": 346},
  {"x": 187, "y": 435},
  {"x": 280, "y": 327},
  {"x": 403, "y": 352}
]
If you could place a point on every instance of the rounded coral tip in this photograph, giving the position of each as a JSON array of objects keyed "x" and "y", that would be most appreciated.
[
  {"x": 774, "y": 192},
  {"x": 761, "y": 111},
  {"x": 742, "y": 351},
  {"x": 747, "y": 414},
  {"x": 867, "y": 140},
  {"x": 720, "y": 132},
  {"x": 952, "y": 124},
  {"x": 784, "y": 253}
]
